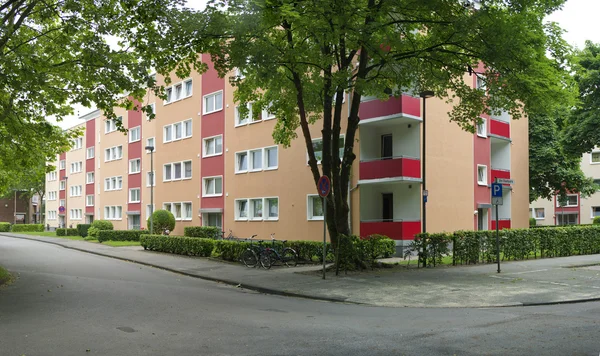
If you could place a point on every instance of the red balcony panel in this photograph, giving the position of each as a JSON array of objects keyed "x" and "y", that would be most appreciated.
[
  {"x": 403, "y": 105},
  {"x": 499, "y": 173},
  {"x": 396, "y": 230},
  {"x": 502, "y": 224},
  {"x": 500, "y": 128},
  {"x": 390, "y": 168}
]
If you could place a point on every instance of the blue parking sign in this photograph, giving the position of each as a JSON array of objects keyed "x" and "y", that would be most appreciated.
[{"x": 496, "y": 190}]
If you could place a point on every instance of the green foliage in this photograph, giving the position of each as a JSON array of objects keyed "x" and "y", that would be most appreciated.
[
  {"x": 373, "y": 247},
  {"x": 208, "y": 232},
  {"x": 4, "y": 227},
  {"x": 230, "y": 250},
  {"x": 67, "y": 232},
  {"x": 532, "y": 222},
  {"x": 180, "y": 245},
  {"x": 430, "y": 248},
  {"x": 596, "y": 220},
  {"x": 97, "y": 226},
  {"x": 27, "y": 227},
  {"x": 83, "y": 229},
  {"x": 162, "y": 220},
  {"x": 120, "y": 235},
  {"x": 92, "y": 232}
]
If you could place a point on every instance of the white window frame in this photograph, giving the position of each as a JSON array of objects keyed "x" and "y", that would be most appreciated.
[
  {"x": 165, "y": 128},
  {"x": 483, "y": 127},
  {"x": 77, "y": 143},
  {"x": 75, "y": 214},
  {"x": 206, "y": 220},
  {"x": 343, "y": 137},
  {"x": 87, "y": 200},
  {"x": 592, "y": 210},
  {"x": 266, "y": 160},
  {"x": 238, "y": 217},
  {"x": 112, "y": 183},
  {"x": 90, "y": 152},
  {"x": 153, "y": 143},
  {"x": 87, "y": 178},
  {"x": 205, "y": 181},
  {"x": 111, "y": 127},
  {"x": 61, "y": 202},
  {"x": 170, "y": 166},
  {"x": 212, "y": 96},
  {"x": 139, "y": 195},
  {"x": 480, "y": 82},
  {"x": 238, "y": 171},
  {"x": 183, "y": 171},
  {"x": 62, "y": 164},
  {"x": 110, "y": 152},
  {"x": 75, "y": 190},
  {"x": 139, "y": 166},
  {"x": 248, "y": 119},
  {"x": 153, "y": 106},
  {"x": 485, "y": 176},
  {"x": 309, "y": 208},
  {"x": 173, "y": 97},
  {"x": 251, "y": 216},
  {"x": 185, "y": 134},
  {"x": 267, "y": 208},
  {"x": 153, "y": 175},
  {"x": 115, "y": 212},
  {"x": 251, "y": 154},
  {"x": 535, "y": 215},
  {"x": 266, "y": 115},
  {"x": 62, "y": 185},
  {"x": 184, "y": 216},
  {"x": 76, "y": 167},
  {"x": 148, "y": 210},
  {"x": 592, "y": 155},
  {"x": 568, "y": 206},
  {"x": 185, "y": 86},
  {"x": 205, "y": 146},
  {"x": 135, "y": 137}
]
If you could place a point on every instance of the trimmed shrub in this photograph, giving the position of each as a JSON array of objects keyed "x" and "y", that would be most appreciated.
[
  {"x": 4, "y": 227},
  {"x": 120, "y": 235},
  {"x": 27, "y": 228},
  {"x": 99, "y": 225},
  {"x": 532, "y": 222},
  {"x": 230, "y": 250},
  {"x": 82, "y": 229},
  {"x": 596, "y": 220},
  {"x": 375, "y": 246},
  {"x": 180, "y": 245},
  {"x": 67, "y": 232},
  {"x": 162, "y": 220},
  {"x": 207, "y": 232}
]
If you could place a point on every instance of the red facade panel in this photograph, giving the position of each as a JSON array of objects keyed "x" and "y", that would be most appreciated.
[
  {"x": 502, "y": 224},
  {"x": 500, "y": 173},
  {"x": 62, "y": 173},
  {"x": 90, "y": 129},
  {"x": 134, "y": 119},
  {"x": 390, "y": 168},
  {"x": 403, "y": 105},
  {"x": 482, "y": 156},
  {"x": 396, "y": 230},
  {"x": 500, "y": 128}
]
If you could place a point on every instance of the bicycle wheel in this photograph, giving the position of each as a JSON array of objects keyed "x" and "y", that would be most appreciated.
[
  {"x": 289, "y": 257},
  {"x": 265, "y": 259},
  {"x": 249, "y": 258}
]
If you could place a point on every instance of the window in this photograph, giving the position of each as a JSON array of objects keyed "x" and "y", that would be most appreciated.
[
  {"x": 110, "y": 125},
  {"x": 272, "y": 208},
  {"x": 241, "y": 209},
  {"x": 539, "y": 213},
  {"x": 212, "y": 103},
  {"x": 152, "y": 109},
  {"x": 169, "y": 93},
  {"x": 178, "y": 91},
  {"x": 187, "y": 169},
  {"x": 188, "y": 88},
  {"x": 595, "y": 157},
  {"x": 76, "y": 167},
  {"x": 51, "y": 195},
  {"x": 167, "y": 173},
  {"x": 482, "y": 128},
  {"x": 90, "y": 152},
  {"x": 187, "y": 128},
  {"x": 75, "y": 190},
  {"x": 241, "y": 159},
  {"x": 243, "y": 120},
  {"x": 180, "y": 210},
  {"x": 177, "y": 128},
  {"x": 168, "y": 133},
  {"x": 572, "y": 200},
  {"x": 135, "y": 166},
  {"x": 256, "y": 160},
  {"x": 61, "y": 202},
  {"x": 76, "y": 214},
  {"x": 113, "y": 212},
  {"x": 176, "y": 170},
  {"x": 482, "y": 175},
  {"x": 52, "y": 215},
  {"x": 150, "y": 178},
  {"x": 256, "y": 209},
  {"x": 567, "y": 218},
  {"x": 480, "y": 82},
  {"x": 595, "y": 211},
  {"x": 89, "y": 178},
  {"x": 134, "y": 134},
  {"x": 212, "y": 219},
  {"x": 318, "y": 148},
  {"x": 212, "y": 187},
  {"x": 314, "y": 208},
  {"x": 113, "y": 183},
  {"x": 213, "y": 146},
  {"x": 187, "y": 211},
  {"x": 89, "y": 200},
  {"x": 63, "y": 185},
  {"x": 113, "y": 153},
  {"x": 267, "y": 114},
  {"x": 52, "y": 176},
  {"x": 271, "y": 157},
  {"x": 76, "y": 143},
  {"x": 63, "y": 164},
  {"x": 149, "y": 210},
  {"x": 150, "y": 142},
  {"x": 134, "y": 195}
]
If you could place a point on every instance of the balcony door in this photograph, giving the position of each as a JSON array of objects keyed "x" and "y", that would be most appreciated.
[
  {"x": 388, "y": 207},
  {"x": 386, "y": 147}
]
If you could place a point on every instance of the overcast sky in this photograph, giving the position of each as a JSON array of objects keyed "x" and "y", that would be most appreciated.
[{"x": 578, "y": 18}]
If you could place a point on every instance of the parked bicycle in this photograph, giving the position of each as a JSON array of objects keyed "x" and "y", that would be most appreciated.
[
  {"x": 256, "y": 254},
  {"x": 285, "y": 255}
]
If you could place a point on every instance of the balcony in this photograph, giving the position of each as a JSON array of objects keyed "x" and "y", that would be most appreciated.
[
  {"x": 396, "y": 230},
  {"x": 500, "y": 173},
  {"x": 502, "y": 224},
  {"x": 394, "y": 167},
  {"x": 500, "y": 128},
  {"x": 404, "y": 106},
  {"x": 503, "y": 116}
]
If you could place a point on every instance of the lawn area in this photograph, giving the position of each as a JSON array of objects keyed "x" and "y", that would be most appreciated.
[
  {"x": 43, "y": 233},
  {"x": 5, "y": 277},
  {"x": 108, "y": 243},
  {"x": 121, "y": 243}
]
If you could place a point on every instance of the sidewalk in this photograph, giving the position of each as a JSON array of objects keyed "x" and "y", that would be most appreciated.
[{"x": 532, "y": 282}]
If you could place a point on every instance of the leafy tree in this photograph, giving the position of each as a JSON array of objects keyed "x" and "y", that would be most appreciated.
[
  {"x": 54, "y": 54},
  {"x": 297, "y": 55}
]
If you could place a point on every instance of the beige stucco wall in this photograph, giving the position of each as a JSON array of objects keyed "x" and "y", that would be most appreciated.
[
  {"x": 591, "y": 170},
  {"x": 548, "y": 207},
  {"x": 519, "y": 172}
]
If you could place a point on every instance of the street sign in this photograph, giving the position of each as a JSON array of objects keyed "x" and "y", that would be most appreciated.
[
  {"x": 505, "y": 181},
  {"x": 496, "y": 190},
  {"x": 424, "y": 198},
  {"x": 425, "y": 193},
  {"x": 61, "y": 209},
  {"x": 497, "y": 201},
  {"x": 324, "y": 186}
]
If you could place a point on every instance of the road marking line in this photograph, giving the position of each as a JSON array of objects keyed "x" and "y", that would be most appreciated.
[{"x": 537, "y": 270}]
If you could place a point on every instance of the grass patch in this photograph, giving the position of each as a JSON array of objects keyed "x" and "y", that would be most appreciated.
[
  {"x": 43, "y": 233},
  {"x": 5, "y": 277},
  {"x": 121, "y": 243}
]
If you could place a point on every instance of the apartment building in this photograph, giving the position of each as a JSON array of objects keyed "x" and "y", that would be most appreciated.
[
  {"x": 576, "y": 210},
  {"x": 214, "y": 167}
]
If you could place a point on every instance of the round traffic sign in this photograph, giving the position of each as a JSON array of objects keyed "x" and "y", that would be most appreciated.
[
  {"x": 61, "y": 209},
  {"x": 324, "y": 186}
]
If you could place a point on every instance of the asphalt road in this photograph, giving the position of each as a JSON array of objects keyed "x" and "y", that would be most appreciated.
[{"x": 66, "y": 302}]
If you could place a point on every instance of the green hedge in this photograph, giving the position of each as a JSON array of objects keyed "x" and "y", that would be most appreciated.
[
  {"x": 207, "y": 232},
  {"x": 471, "y": 247},
  {"x": 120, "y": 235},
  {"x": 27, "y": 228},
  {"x": 82, "y": 229},
  {"x": 67, "y": 232},
  {"x": 180, "y": 245},
  {"x": 4, "y": 227}
]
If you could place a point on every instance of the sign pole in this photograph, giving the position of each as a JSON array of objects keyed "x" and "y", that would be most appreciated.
[
  {"x": 324, "y": 233},
  {"x": 497, "y": 236}
]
